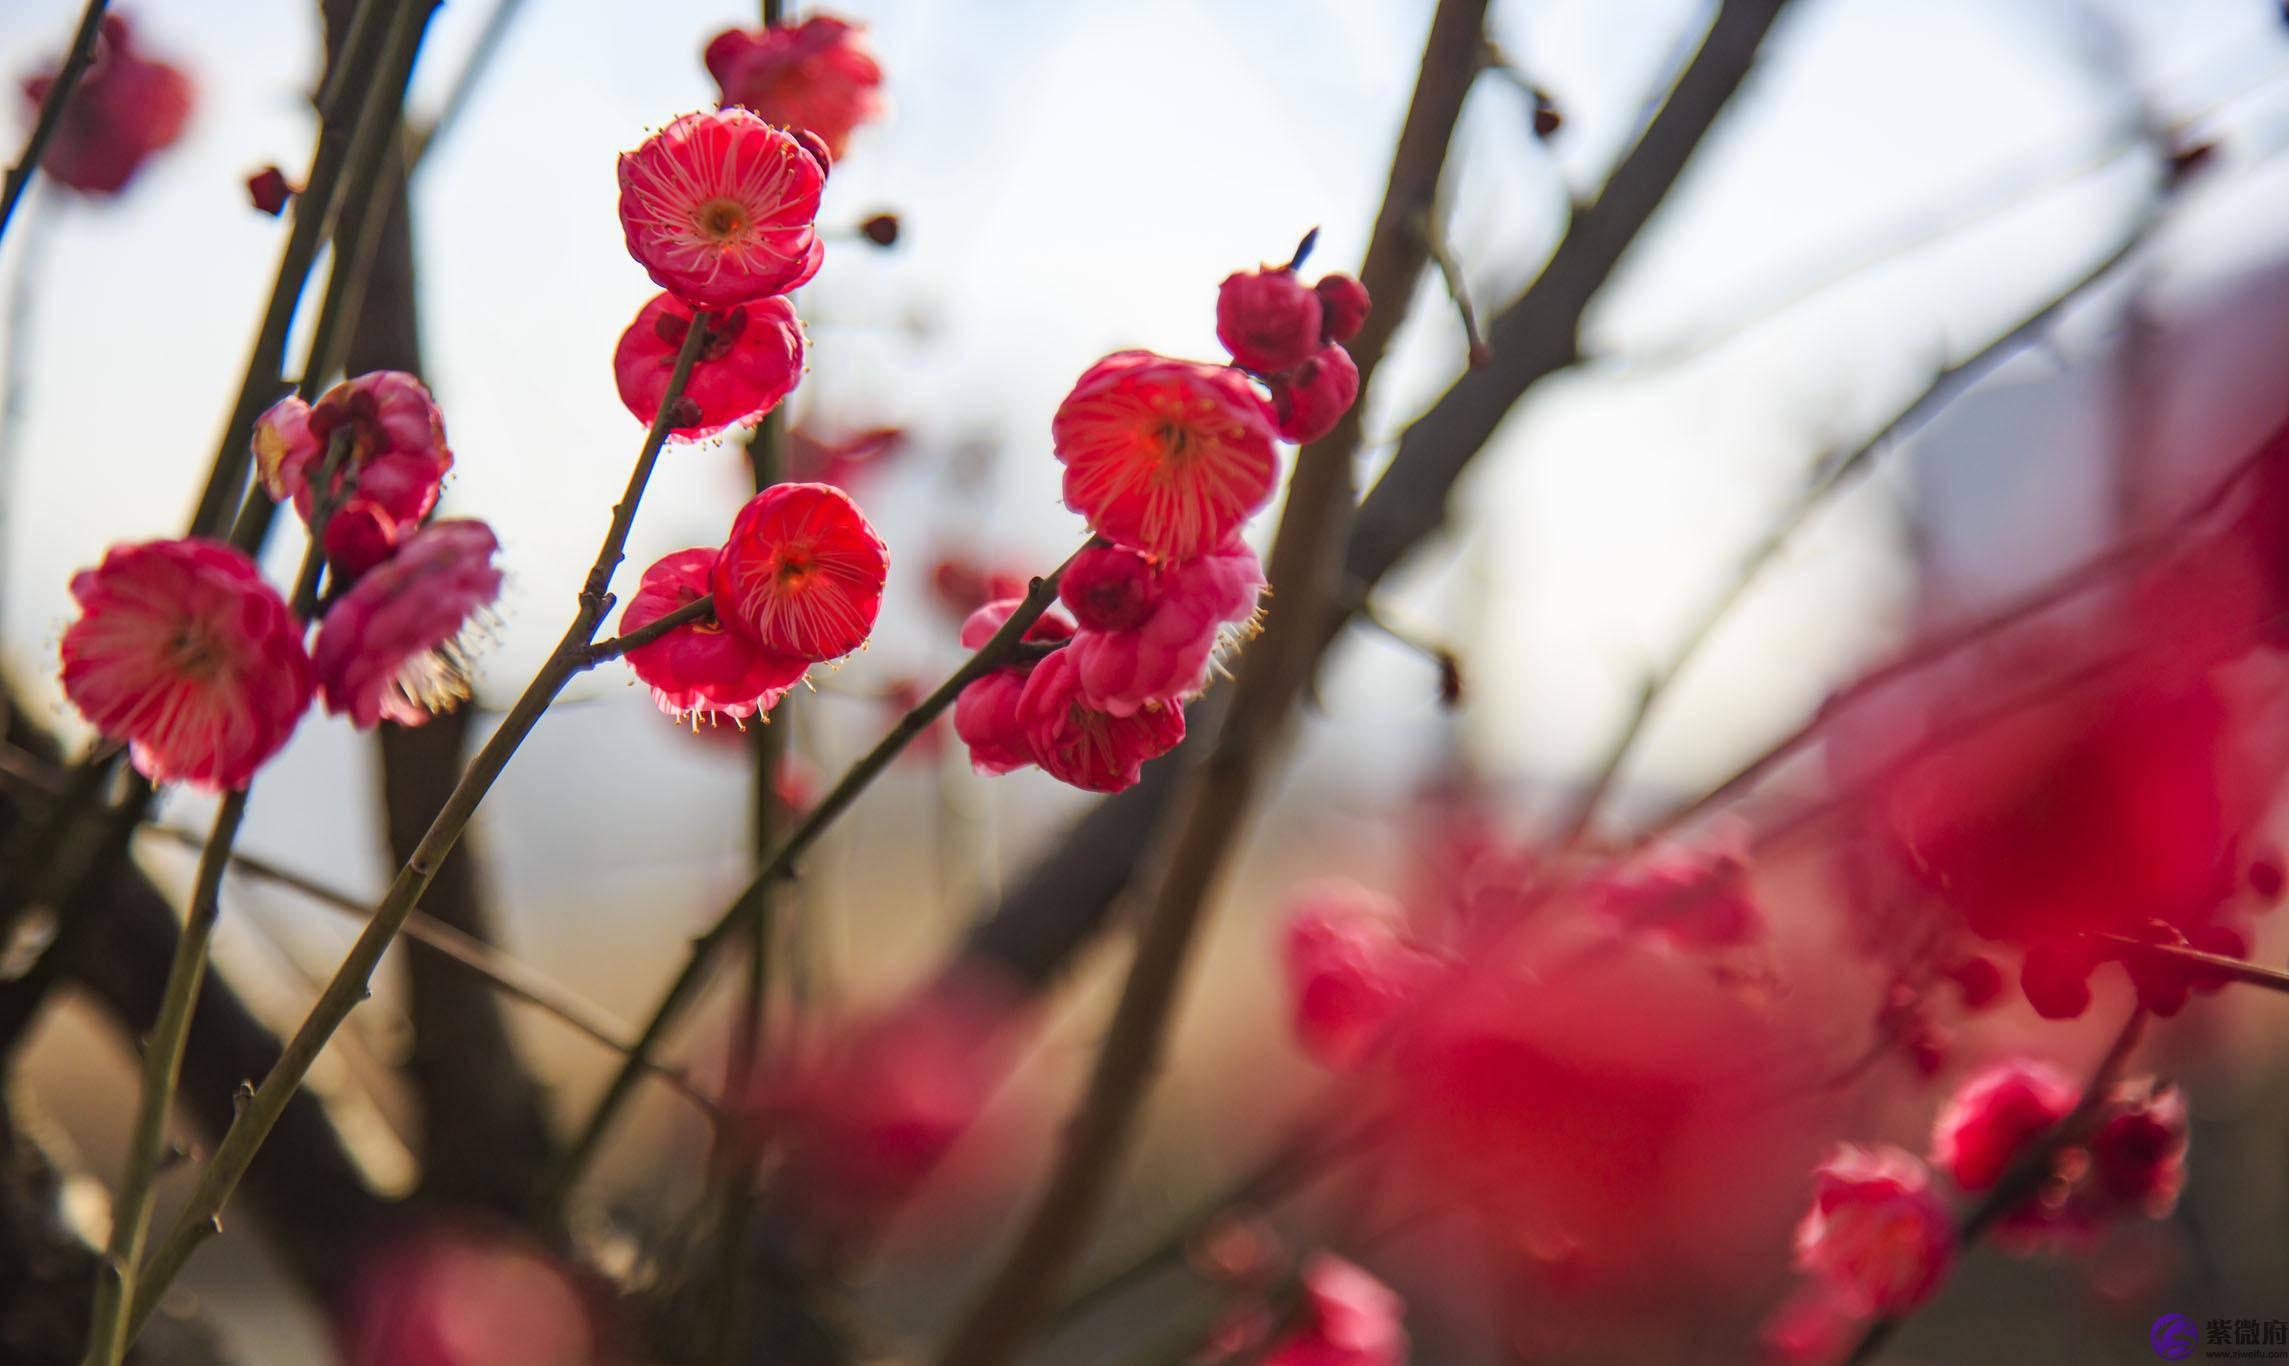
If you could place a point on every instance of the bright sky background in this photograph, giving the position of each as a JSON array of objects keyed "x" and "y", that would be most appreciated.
[{"x": 1076, "y": 177}]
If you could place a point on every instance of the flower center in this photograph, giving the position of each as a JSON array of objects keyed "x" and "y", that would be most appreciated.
[
  {"x": 723, "y": 220},
  {"x": 196, "y": 653},
  {"x": 1174, "y": 440},
  {"x": 795, "y": 570}
]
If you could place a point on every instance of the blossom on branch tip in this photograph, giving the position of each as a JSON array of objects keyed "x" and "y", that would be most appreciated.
[
  {"x": 183, "y": 652},
  {"x": 802, "y": 572},
  {"x": 986, "y": 713},
  {"x": 701, "y": 670},
  {"x": 125, "y": 107},
  {"x": 1876, "y": 1234},
  {"x": 1165, "y": 456},
  {"x": 1348, "y": 1318},
  {"x": 1148, "y": 630},
  {"x": 1268, "y": 319},
  {"x": 749, "y": 363},
  {"x": 1314, "y": 396},
  {"x": 817, "y": 75},
  {"x": 395, "y": 464},
  {"x": 719, "y": 208},
  {"x": 397, "y": 646}
]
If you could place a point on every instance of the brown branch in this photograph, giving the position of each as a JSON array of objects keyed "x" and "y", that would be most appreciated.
[
  {"x": 52, "y": 110},
  {"x": 1273, "y": 671},
  {"x": 482, "y": 1114}
]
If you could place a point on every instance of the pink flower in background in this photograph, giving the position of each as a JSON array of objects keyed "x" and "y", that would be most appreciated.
[
  {"x": 1994, "y": 1116},
  {"x": 1351, "y": 972},
  {"x": 986, "y": 714},
  {"x": 396, "y": 647},
  {"x": 701, "y": 670},
  {"x": 718, "y": 209},
  {"x": 1312, "y": 397},
  {"x": 816, "y": 75},
  {"x": 961, "y": 584},
  {"x": 1876, "y": 1234},
  {"x": 1268, "y": 319},
  {"x": 183, "y": 652},
  {"x": 125, "y": 107},
  {"x": 1165, "y": 456},
  {"x": 1348, "y": 1318},
  {"x": 802, "y": 572},
  {"x": 1343, "y": 305},
  {"x": 815, "y": 460},
  {"x": 452, "y": 1297},
  {"x": 1147, "y": 631},
  {"x": 872, "y": 1112},
  {"x": 285, "y": 451},
  {"x": 1091, "y": 749},
  {"x": 1698, "y": 899},
  {"x": 751, "y": 360}
]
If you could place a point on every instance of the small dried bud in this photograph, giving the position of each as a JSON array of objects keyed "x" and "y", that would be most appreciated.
[
  {"x": 269, "y": 190},
  {"x": 881, "y": 229},
  {"x": 1547, "y": 119}
]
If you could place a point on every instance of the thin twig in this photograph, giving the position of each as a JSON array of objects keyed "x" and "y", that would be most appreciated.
[
  {"x": 990, "y": 656},
  {"x": 348, "y": 986},
  {"x": 511, "y": 977},
  {"x": 1458, "y": 289},
  {"x": 699, "y": 609},
  {"x": 170, "y": 1036},
  {"x": 52, "y": 108}
]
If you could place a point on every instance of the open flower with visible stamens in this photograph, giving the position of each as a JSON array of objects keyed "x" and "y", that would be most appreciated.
[
  {"x": 184, "y": 652},
  {"x": 751, "y": 360},
  {"x": 1148, "y": 629},
  {"x": 1165, "y": 456},
  {"x": 701, "y": 671},
  {"x": 718, "y": 208},
  {"x": 816, "y": 75},
  {"x": 802, "y": 572},
  {"x": 1091, "y": 749},
  {"x": 985, "y": 715},
  {"x": 396, "y": 646}
]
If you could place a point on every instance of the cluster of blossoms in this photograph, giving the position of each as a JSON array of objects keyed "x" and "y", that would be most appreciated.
[
  {"x": 720, "y": 208},
  {"x": 183, "y": 652},
  {"x": 1167, "y": 459},
  {"x": 127, "y": 105},
  {"x": 1878, "y": 1238}
]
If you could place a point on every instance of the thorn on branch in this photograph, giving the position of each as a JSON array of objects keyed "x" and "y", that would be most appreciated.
[{"x": 1434, "y": 241}]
